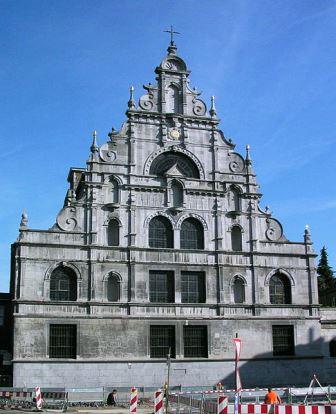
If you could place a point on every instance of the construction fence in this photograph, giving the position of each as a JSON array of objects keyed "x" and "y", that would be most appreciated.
[{"x": 197, "y": 397}]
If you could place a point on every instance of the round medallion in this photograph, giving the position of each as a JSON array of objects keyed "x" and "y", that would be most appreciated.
[{"x": 174, "y": 133}]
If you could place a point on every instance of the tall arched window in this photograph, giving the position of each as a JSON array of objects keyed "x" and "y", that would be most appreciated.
[
  {"x": 160, "y": 232},
  {"x": 177, "y": 194},
  {"x": 113, "y": 233},
  {"x": 114, "y": 188},
  {"x": 238, "y": 290},
  {"x": 236, "y": 239},
  {"x": 235, "y": 199},
  {"x": 280, "y": 290},
  {"x": 192, "y": 235},
  {"x": 113, "y": 288},
  {"x": 172, "y": 99},
  {"x": 63, "y": 284}
]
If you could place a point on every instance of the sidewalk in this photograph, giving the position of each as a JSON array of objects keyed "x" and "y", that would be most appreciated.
[{"x": 109, "y": 410}]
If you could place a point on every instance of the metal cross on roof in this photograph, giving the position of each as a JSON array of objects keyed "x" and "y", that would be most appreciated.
[{"x": 171, "y": 31}]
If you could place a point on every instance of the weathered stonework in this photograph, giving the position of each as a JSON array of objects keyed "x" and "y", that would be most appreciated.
[{"x": 119, "y": 183}]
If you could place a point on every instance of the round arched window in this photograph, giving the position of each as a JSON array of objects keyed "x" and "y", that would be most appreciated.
[
  {"x": 63, "y": 284},
  {"x": 280, "y": 290},
  {"x": 192, "y": 235},
  {"x": 113, "y": 288},
  {"x": 160, "y": 232}
]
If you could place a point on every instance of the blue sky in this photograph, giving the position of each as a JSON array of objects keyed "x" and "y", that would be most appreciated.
[{"x": 66, "y": 67}]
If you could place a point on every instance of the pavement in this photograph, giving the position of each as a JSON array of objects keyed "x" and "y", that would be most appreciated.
[{"x": 84, "y": 410}]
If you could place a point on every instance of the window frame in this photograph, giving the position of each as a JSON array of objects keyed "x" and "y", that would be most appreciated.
[
  {"x": 242, "y": 284},
  {"x": 201, "y": 351},
  {"x": 188, "y": 242},
  {"x": 289, "y": 348},
  {"x": 286, "y": 295},
  {"x": 56, "y": 292},
  {"x": 113, "y": 240},
  {"x": 117, "y": 281},
  {"x": 236, "y": 244},
  {"x": 199, "y": 293},
  {"x": 164, "y": 348},
  {"x": 154, "y": 292},
  {"x": 332, "y": 348},
  {"x": 157, "y": 240},
  {"x": 73, "y": 354}
]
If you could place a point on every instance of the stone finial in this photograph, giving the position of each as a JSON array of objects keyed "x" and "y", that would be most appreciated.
[
  {"x": 112, "y": 133},
  {"x": 131, "y": 102},
  {"x": 248, "y": 156},
  {"x": 94, "y": 147},
  {"x": 212, "y": 111},
  {"x": 307, "y": 235},
  {"x": 24, "y": 220}
]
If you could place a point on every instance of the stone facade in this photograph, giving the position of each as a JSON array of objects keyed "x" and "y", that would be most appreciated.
[{"x": 169, "y": 164}]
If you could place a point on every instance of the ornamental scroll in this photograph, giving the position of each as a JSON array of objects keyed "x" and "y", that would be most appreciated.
[{"x": 67, "y": 219}]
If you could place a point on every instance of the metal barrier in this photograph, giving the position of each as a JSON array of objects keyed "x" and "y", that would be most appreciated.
[{"x": 202, "y": 398}]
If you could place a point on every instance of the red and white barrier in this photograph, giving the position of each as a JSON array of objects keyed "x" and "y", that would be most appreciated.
[
  {"x": 222, "y": 405},
  {"x": 15, "y": 394},
  {"x": 282, "y": 409},
  {"x": 134, "y": 401},
  {"x": 38, "y": 398},
  {"x": 158, "y": 402}
]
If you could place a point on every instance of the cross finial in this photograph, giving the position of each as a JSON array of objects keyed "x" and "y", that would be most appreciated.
[{"x": 172, "y": 32}]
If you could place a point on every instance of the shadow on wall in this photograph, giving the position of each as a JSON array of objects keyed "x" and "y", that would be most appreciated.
[{"x": 265, "y": 370}]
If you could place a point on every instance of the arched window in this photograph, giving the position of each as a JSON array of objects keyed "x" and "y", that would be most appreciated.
[
  {"x": 113, "y": 288},
  {"x": 236, "y": 239},
  {"x": 164, "y": 162},
  {"x": 192, "y": 236},
  {"x": 172, "y": 99},
  {"x": 113, "y": 233},
  {"x": 235, "y": 200},
  {"x": 332, "y": 348},
  {"x": 63, "y": 284},
  {"x": 114, "y": 188},
  {"x": 238, "y": 290},
  {"x": 280, "y": 290},
  {"x": 160, "y": 232},
  {"x": 177, "y": 194}
]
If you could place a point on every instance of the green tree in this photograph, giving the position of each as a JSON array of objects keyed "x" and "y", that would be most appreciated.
[{"x": 326, "y": 280}]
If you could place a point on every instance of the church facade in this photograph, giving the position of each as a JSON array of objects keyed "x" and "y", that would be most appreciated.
[{"x": 162, "y": 248}]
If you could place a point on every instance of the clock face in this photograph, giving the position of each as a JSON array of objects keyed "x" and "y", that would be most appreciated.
[{"x": 174, "y": 133}]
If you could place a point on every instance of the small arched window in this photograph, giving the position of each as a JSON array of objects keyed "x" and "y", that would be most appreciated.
[
  {"x": 63, "y": 284},
  {"x": 238, "y": 290},
  {"x": 280, "y": 290},
  {"x": 113, "y": 288},
  {"x": 160, "y": 233},
  {"x": 235, "y": 200},
  {"x": 332, "y": 348},
  {"x": 113, "y": 233},
  {"x": 236, "y": 239},
  {"x": 192, "y": 235},
  {"x": 177, "y": 194},
  {"x": 114, "y": 188},
  {"x": 172, "y": 99}
]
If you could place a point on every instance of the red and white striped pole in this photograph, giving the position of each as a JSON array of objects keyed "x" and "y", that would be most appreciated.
[
  {"x": 222, "y": 406},
  {"x": 158, "y": 402},
  {"x": 134, "y": 400},
  {"x": 38, "y": 398}
]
